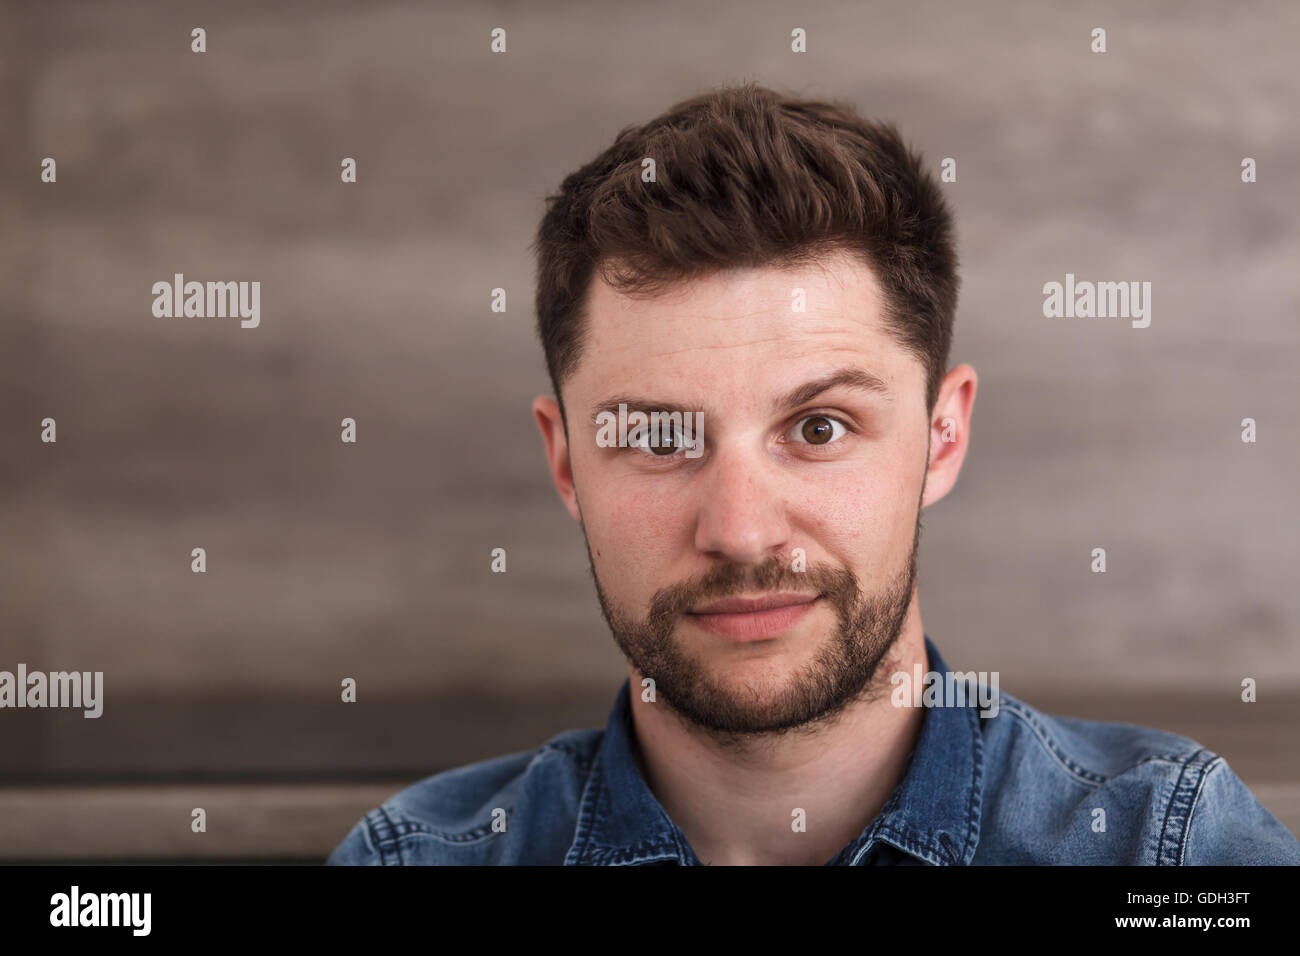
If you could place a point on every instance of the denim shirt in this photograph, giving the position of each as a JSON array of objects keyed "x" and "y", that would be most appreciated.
[{"x": 1016, "y": 787}]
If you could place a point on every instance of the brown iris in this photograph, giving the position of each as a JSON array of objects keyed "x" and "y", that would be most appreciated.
[
  {"x": 818, "y": 430},
  {"x": 667, "y": 444}
]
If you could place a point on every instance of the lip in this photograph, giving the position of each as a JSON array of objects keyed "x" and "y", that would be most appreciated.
[
  {"x": 754, "y": 619},
  {"x": 748, "y": 605}
]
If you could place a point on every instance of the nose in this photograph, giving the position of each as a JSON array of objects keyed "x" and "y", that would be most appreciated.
[{"x": 741, "y": 512}]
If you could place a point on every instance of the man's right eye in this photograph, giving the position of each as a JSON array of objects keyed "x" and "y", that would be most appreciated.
[{"x": 667, "y": 446}]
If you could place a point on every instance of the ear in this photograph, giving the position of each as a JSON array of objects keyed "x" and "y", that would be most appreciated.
[
  {"x": 950, "y": 431},
  {"x": 547, "y": 413}
]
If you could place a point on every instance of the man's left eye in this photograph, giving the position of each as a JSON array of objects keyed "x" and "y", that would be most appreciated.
[{"x": 817, "y": 430}]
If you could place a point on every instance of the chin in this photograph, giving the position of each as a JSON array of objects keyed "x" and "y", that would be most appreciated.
[{"x": 753, "y": 679}]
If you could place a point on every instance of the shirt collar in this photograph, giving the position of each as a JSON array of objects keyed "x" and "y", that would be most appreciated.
[
  {"x": 932, "y": 815},
  {"x": 620, "y": 823}
]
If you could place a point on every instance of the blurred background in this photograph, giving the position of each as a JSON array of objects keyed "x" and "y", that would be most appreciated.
[{"x": 371, "y": 560}]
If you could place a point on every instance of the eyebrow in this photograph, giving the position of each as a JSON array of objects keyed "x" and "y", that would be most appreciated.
[
  {"x": 848, "y": 377},
  {"x": 637, "y": 405}
]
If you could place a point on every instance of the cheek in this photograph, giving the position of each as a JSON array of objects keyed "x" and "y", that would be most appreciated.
[
  {"x": 860, "y": 518},
  {"x": 634, "y": 528},
  {"x": 619, "y": 503}
]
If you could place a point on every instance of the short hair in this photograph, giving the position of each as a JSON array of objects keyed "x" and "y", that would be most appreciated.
[{"x": 747, "y": 177}]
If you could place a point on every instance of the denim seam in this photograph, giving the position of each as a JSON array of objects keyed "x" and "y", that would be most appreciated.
[
  {"x": 384, "y": 833},
  {"x": 410, "y": 828},
  {"x": 583, "y": 760},
  {"x": 638, "y": 853},
  {"x": 943, "y": 852},
  {"x": 1183, "y": 800},
  {"x": 376, "y": 830},
  {"x": 600, "y": 854},
  {"x": 395, "y": 832},
  {"x": 1053, "y": 748},
  {"x": 935, "y": 855},
  {"x": 679, "y": 844},
  {"x": 1082, "y": 773},
  {"x": 975, "y": 805},
  {"x": 578, "y": 850},
  {"x": 869, "y": 838}
]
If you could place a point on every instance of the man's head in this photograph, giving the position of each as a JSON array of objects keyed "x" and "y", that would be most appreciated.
[{"x": 790, "y": 274}]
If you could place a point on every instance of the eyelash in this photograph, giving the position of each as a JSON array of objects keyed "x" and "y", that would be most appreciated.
[
  {"x": 646, "y": 450},
  {"x": 830, "y": 418},
  {"x": 848, "y": 429}
]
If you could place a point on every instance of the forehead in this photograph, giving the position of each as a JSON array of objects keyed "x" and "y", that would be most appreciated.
[{"x": 743, "y": 329}]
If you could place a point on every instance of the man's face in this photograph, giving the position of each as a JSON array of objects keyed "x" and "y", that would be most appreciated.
[{"x": 808, "y": 497}]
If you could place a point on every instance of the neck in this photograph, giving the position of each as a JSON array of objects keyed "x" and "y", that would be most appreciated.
[{"x": 736, "y": 803}]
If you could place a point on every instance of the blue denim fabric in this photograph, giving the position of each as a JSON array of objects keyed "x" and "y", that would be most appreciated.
[{"x": 1019, "y": 787}]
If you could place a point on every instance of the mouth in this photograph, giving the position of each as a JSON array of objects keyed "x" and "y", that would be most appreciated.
[{"x": 755, "y": 618}]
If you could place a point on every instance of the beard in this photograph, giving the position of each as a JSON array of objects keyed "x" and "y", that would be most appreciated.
[{"x": 841, "y": 670}]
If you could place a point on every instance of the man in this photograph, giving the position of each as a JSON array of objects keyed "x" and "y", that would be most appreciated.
[{"x": 783, "y": 273}]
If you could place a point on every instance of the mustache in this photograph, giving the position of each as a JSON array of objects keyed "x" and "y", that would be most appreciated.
[{"x": 774, "y": 574}]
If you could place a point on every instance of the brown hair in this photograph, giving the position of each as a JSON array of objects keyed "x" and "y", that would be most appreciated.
[{"x": 747, "y": 177}]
